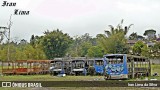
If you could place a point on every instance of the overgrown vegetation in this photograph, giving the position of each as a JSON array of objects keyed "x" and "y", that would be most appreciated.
[{"x": 55, "y": 43}]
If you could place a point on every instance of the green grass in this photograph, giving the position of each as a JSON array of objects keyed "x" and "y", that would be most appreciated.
[
  {"x": 155, "y": 68},
  {"x": 48, "y": 78},
  {"x": 55, "y": 78},
  {"x": 0, "y": 69}
]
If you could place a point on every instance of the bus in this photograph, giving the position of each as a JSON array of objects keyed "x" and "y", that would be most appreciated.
[
  {"x": 57, "y": 67},
  {"x": 78, "y": 67},
  {"x": 123, "y": 66},
  {"x": 99, "y": 66}
]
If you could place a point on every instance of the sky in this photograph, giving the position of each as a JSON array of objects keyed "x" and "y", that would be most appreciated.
[{"x": 77, "y": 17}]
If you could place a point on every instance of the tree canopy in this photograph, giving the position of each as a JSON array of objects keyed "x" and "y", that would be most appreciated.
[
  {"x": 140, "y": 48},
  {"x": 55, "y": 43},
  {"x": 114, "y": 41}
]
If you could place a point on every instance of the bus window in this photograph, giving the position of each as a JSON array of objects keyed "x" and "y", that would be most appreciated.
[
  {"x": 114, "y": 59},
  {"x": 109, "y": 62},
  {"x": 99, "y": 62},
  {"x": 78, "y": 64}
]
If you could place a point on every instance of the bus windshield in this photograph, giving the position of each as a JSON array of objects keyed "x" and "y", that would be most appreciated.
[
  {"x": 58, "y": 65},
  {"x": 114, "y": 59},
  {"x": 78, "y": 64}
]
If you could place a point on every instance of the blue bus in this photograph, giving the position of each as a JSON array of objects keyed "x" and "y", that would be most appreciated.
[
  {"x": 116, "y": 66},
  {"x": 123, "y": 66},
  {"x": 99, "y": 65}
]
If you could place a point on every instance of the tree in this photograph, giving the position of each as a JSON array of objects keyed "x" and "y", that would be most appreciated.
[
  {"x": 140, "y": 48},
  {"x": 114, "y": 41},
  {"x": 84, "y": 48},
  {"x": 114, "y": 44},
  {"x": 118, "y": 29},
  {"x": 36, "y": 40},
  {"x": 32, "y": 40},
  {"x": 3, "y": 52},
  {"x": 23, "y": 50},
  {"x": 95, "y": 51},
  {"x": 145, "y": 51},
  {"x": 36, "y": 43},
  {"x": 27, "y": 51},
  {"x": 75, "y": 49},
  {"x": 80, "y": 45},
  {"x": 155, "y": 50},
  {"x": 56, "y": 43}
]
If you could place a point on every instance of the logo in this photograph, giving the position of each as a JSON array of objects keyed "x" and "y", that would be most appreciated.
[{"x": 6, "y": 84}]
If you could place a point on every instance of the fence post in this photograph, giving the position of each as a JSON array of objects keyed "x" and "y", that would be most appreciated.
[{"x": 132, "y": 64}]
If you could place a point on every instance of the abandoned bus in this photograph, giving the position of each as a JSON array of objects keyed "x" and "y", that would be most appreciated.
[
  {"x": 78, "y": 67},
  {"x": 57, "y": 67},
  {"x": 99, "y": 66},
  {"x": 123, "y": 66}
]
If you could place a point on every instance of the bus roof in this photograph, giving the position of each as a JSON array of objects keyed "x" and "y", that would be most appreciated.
[
  {"x": 114, "y": 55},
  {"x": 78, "y": 60},
  {"x": 132, "y": 56}
]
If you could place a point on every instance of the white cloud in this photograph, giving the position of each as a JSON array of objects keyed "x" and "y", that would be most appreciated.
[{"x": 81, "y": 16}]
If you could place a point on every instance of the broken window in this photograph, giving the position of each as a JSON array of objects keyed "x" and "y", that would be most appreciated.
[
  {"x": 114, "y": 59},
  {"x": 99, "y": 62}
]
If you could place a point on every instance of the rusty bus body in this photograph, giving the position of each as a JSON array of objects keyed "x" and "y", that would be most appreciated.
[{"x": 25, "y": 67}]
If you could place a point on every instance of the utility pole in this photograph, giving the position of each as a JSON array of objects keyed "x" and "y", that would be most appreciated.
[{"x": 8, "y": 37}]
